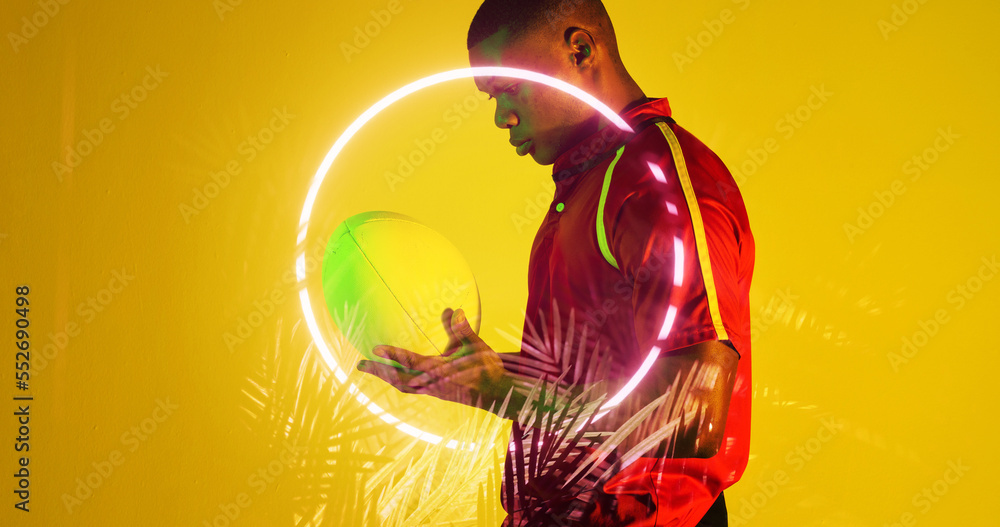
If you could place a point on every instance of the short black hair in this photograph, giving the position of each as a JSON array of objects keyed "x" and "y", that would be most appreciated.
[{"x": 522, "y": 16}]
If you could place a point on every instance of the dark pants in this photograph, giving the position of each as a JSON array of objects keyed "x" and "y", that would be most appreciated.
[
  {"x": 716, "y": 515},
  {"x": 624, "y": 509}
]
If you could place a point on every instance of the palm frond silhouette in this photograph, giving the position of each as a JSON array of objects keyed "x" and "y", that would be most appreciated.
[
  {"x": 554, "y": 464},
  {"x": 355, "y": 469}
]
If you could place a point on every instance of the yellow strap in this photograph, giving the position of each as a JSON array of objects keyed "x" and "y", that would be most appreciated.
[{"x": 699, "y": 230}]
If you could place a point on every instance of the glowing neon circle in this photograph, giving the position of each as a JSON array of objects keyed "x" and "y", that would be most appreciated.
[{"x": 338, "y": 146}]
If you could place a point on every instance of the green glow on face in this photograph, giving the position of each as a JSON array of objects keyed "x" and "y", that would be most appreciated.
[{"x": 560, "y": 207}]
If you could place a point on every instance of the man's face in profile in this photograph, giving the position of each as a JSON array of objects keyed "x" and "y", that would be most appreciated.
[{"x": 543, "y": 121}]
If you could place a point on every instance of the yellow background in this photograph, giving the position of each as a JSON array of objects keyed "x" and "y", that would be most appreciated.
[{"x": 830, "y": 308}]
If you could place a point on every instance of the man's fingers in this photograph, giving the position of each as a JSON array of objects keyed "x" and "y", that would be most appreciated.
[
  {"x": 460, "y": 327},
  {"x": 390, "y": 374},
  {"x": 464, "y": 371},
  {"x": 427, "y": 381},
  {"x": 404, "y": 357},
  {"x": 455, "y": 340},
  {"x": 446, "y": 319}
]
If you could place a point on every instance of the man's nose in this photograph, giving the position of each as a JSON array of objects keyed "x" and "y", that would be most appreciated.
[{"x": 505, "y": 117}]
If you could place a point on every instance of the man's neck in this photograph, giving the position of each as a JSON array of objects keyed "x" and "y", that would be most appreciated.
[{"x": 626, "y": 94}]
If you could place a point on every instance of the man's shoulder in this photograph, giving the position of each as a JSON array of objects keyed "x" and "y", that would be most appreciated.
[
  {"x": 647, "y": 179},
  {"x": 649, "y": 162},
  {"x": 653, "y": 143}
]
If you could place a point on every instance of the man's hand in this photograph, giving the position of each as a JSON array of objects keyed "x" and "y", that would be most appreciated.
[
  {"x": 471, "y": 373},
  {"x": 468, "y": 372}
]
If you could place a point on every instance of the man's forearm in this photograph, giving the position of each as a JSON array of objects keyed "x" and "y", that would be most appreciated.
[{"x": 697, "y": 382}]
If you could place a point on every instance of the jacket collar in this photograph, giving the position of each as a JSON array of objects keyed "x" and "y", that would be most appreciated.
[{"x": 599, "y": 146}]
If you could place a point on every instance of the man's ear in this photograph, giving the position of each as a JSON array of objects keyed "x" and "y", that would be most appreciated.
[{"x": 582, "y": 46}]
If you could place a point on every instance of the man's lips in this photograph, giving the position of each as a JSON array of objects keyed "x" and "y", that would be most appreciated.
[{"x": 523, "y": 146}]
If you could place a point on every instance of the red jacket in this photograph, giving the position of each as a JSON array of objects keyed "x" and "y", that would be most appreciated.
[{"x": 624, "y": 253}]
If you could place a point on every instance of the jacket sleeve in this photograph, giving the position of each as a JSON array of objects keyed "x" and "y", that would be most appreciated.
[{"x": 663, "y": 251}]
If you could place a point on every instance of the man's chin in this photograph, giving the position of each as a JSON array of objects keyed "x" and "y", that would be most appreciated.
[{"x": 542, "y": 158}]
